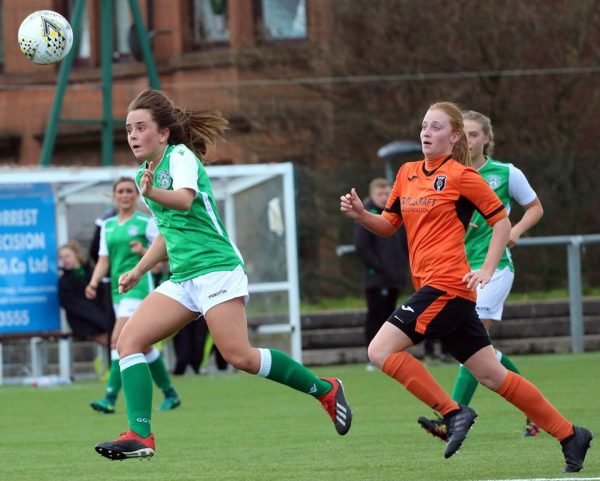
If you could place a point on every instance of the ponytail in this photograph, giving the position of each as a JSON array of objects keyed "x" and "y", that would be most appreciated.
[
  {"x": 197, "y": 129},
  {"x": 461, "y": 152}
]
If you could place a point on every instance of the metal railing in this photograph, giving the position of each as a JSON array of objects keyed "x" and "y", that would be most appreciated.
[{"x": 574, "y": 244}]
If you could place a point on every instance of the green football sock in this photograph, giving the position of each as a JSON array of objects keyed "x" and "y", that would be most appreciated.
[
  {"x": 464, "y": 386},
  {"x": 159, "y": 372},
  {"x": 507, "y": 363},
  {"x": 137, "y": 386},
  {"x": 279, "y": 367},
  {"x": 113, "y": 383}
]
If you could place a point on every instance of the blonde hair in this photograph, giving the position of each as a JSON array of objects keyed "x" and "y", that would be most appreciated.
[
  {"x": 486, "y": 127},
  {"x": 76, "y": 248},
  {"x": 196, "y": 129},
  {"x": 460, "y": 151}
]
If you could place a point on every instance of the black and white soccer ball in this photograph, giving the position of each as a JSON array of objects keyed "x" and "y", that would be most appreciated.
[{"x": 45, "y": 37}]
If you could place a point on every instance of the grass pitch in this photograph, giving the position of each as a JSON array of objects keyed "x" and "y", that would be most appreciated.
[{"x": 238, "y": 427}]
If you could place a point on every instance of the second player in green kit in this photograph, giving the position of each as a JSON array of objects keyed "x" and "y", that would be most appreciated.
[{"x": 124, "y": 238}]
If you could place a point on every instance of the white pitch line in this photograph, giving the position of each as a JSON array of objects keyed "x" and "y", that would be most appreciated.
[{"x": 546, "y": 479}]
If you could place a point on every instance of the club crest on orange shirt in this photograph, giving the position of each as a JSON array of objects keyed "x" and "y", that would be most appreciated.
[{"x": 439, "y": 183}]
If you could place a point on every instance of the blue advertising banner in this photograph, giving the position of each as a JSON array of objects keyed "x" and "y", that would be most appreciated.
[{"x": 28, "y": 259}]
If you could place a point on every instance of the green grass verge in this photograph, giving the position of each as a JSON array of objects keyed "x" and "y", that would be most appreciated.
[
  {"x": 238, "y": 427},
  {"x": 359, "y": 302}
]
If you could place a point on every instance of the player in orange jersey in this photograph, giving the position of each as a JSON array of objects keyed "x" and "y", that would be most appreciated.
[{"x": 434, "y": 199}]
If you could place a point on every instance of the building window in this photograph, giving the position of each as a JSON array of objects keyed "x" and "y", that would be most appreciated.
[
  {"x": 122, "y": 23},
  {"x": 209, "y": 19},
  {"x": 284, "y": 19},
  {"x": 85, "y": 47},
  {"x": 1, "y": 37},
  {"x": 10, "y": 147}
]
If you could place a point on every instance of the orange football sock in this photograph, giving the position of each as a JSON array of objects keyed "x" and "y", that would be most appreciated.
[
  {"x": 415, "y": 377},
  {"x": 524, "y": 395}
]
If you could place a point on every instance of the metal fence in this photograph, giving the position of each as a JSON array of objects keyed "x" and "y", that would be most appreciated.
[{"x": 574, "y": 244}]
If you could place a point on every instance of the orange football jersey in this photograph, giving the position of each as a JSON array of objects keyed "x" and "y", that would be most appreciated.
[{"x": 435, "y": 207}]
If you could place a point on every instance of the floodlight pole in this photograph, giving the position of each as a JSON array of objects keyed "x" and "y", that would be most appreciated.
[
  {"x": 107, "y": 122},
  {"x": 143, "y": 37},
  {"x": 106, "y": 53}
]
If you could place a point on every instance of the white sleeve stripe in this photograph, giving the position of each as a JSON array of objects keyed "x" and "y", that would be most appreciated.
[
  {"x": 151, "y": 230},
  {"x": 103, "y": 245},
  {"x": 210, "y": 212}
]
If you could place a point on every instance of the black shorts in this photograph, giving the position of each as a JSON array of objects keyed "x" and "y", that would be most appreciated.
[{"x": 434, "y": 314}]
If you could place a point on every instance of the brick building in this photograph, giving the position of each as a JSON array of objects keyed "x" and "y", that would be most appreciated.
[
  {"x": 325, "y": 83},
  {"x": 209, "y": 55}
]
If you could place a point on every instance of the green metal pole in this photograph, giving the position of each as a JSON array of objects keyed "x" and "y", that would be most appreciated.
[
  {"x": 106, "y": 53},
  {"x": 61, "y": 87},
  {"x": 144, "y": 40}
]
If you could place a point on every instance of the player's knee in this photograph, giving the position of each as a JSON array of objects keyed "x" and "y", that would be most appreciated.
[
  {"x": 126, "y": 347},
  {"x": 241, "y": 360},
  {"x": 120, "y": 346},
  {"x": 491, "y": 380},
  {"x": 375, "y": 354}
]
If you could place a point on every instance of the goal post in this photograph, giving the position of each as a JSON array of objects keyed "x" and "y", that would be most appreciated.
[{"x": 257, "y": 204}]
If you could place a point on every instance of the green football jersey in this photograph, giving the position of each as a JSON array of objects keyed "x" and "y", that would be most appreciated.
[
  {"x": 196, "y": 240},
  {"x": 510, "y": 184},
  {"x": 115, "y": 239}
]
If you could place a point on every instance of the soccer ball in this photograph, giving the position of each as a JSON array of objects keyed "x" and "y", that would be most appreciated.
[{"x": 45, "y": 37}]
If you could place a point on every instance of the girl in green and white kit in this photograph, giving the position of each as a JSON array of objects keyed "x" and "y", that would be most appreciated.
[
  {"x": 124, "y": 238},
  {"x": 208, "y": 273}
]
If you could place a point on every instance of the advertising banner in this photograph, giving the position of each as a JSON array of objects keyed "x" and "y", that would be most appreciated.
[{"x": 28, "y": 259}]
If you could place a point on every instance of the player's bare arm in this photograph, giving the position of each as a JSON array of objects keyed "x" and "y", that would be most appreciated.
[
  {"x": 180, "y": 199},
  {"x": 156, "y": 252},
  {"x": 352, "y": 206},
  {"x": 532, "y": 215},
  {"x": 137, "y": 247},
  {"x": 481, "y": 277},
  {"x": 101, "y": 269}
]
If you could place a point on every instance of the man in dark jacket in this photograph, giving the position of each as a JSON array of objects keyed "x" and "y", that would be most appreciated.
[{"x": 385, "y": 261}]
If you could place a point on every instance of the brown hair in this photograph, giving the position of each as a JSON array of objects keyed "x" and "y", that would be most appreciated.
[
  {"x": 195, "y": 128},
  {"x": 122, "y": 179},
  {"x": 460, "y": 151},
  {"x": 76, "y": 248},
  {"x": 486, "y": 127}
]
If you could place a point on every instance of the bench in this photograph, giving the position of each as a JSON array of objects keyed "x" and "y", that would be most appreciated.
[{"x": 36, "y": 341}]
